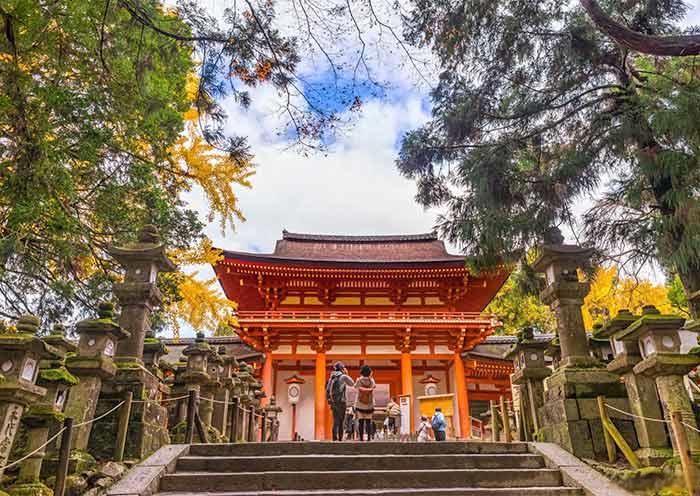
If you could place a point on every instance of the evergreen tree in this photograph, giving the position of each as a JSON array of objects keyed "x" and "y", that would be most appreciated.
[{"x": 536, "y": 110}]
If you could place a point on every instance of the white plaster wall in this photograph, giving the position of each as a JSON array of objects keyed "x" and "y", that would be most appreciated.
[
  {"x": 376, "y": 349},
  {"x": 305, "y": 409}
]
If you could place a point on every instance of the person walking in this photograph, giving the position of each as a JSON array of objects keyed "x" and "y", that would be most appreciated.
[
  {"x": 393, "y": 415},
  {"x": 364, "y": 403},
  {"x": 424, "y": 430},
  {"x": 335, "y": 395},
  {"x": 439, "y": 425}
]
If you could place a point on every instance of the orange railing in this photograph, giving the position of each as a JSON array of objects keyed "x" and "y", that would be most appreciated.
[{"x": 361, "y": 315}]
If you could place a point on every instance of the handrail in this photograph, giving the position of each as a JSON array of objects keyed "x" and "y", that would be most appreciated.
[{"x": 361, "y": 315}]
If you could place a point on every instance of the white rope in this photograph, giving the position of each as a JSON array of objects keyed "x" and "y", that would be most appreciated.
[
  {"x": 637, "y": 416},
  {"x": 35, "y": 451},
  {"x": 692, "y": 428},
  {"x": 98, "y": 418}
]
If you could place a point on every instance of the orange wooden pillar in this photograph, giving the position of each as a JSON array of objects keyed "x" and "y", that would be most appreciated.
[
  {"x": 320, "y": 398},
  {"x": 462, "y": 399},
  {"x": 407, "y": 381},
  {"x": 268, "y": 387}
]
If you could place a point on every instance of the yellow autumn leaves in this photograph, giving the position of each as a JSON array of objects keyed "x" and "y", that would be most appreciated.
[{"x": 218, "y": 175}]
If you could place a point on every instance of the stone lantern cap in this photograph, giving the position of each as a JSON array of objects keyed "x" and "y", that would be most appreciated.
[
  {"x": 104, "y": 324},
  {"x": 563, "y": 256},
  {"x": 526, "y": 340},
  {"x": 272, "y": 407},
  {"x": 553, "y": 347},
  {"x": 26, "y": 340},
  {"x": 148, "y": 249},
  {"x": 651, "y": 322},
  {"x": 620, "y": 322},
  {"x": 198, "y": 354},
  {"x": 154, "y": 346},
  {"x": 57, "y": 339}
]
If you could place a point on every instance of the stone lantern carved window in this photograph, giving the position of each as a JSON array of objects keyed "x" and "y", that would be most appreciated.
[
  {"x": 29, "y": 370},
  {"x": 647, "y": 346},
  {"x": 61, "y": 395},
  {"x": 109, "y": 348},
  {"x": 7, "y": 366}
]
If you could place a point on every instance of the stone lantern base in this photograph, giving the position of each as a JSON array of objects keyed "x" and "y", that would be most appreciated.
[
  {"x": 148, "y": 423},
  {"x": 570, "y": 415}
]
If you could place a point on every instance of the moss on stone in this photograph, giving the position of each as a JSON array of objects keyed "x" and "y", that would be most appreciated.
[
  {"x": 127, "y": 365},
  {"x": 31, "y": 489},
  {"x": 60, "y": 374},
  {"x": 45, "y": 411}
]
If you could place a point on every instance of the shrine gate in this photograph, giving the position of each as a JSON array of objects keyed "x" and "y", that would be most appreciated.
[{"x": 401, "y": 304}]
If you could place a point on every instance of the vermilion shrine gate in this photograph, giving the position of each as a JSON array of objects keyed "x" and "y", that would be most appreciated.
[{"x": 401, "y": 304}]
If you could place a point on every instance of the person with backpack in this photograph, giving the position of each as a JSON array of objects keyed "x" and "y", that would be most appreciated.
[
  {"x": 439, "y": 425},
  {"x": 364, "y": 403},
  {"x": 335, "y": 395}
]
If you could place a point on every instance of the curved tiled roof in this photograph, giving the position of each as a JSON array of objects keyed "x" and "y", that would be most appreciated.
[{"x": 341, "y": 238}]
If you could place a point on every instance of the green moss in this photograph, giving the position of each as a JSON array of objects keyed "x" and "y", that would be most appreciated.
[
  {"x": 127, "y": 365},
  {"x": 32, "y": 489},
  {"x": 17, "y": 336},
  {"x": 539, "y": 436},
  {"x": 45, "y": 411},
  {"x": 58, "y": 375}
]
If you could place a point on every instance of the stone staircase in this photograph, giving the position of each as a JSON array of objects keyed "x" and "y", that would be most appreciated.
[{"x": 363, "y": 469}]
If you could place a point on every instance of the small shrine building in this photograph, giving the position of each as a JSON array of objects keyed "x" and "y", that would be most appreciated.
[{"x": 400, "y": 304}]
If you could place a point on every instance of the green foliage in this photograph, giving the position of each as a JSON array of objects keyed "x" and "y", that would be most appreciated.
[
  {"x": 676, "y": 295},
  {"x": 536, "y": 111},
  {"x": 88, "y": 110},
  {"x": 517, "y": 308}
]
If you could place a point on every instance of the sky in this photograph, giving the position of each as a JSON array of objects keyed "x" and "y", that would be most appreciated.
[{"x": 352, "y": 188}]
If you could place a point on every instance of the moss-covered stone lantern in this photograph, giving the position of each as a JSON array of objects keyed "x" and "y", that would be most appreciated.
[
  {"x": 659, "y": 344},
  {"x": 223, "y": 395},
  {"x": 197, "y": 371},
  {"x": 93, "y": 363},
  {"x": 46, "y": 415},
  {"x": 653, "y": 439},
  {"x": 153, "y": 350},
  {"x": 20, "y": 354},
  {"x": 210, "y": 388},
  {"x": 530, "y": 370},
  {"x": 272, "y": 411},
  {"x": 579, "y": 377}
]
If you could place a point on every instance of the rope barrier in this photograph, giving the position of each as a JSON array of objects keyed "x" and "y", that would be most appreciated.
[
  {"x": 98, "y": 418},
  {"x": 35, "y": 451},
  {"x": 664, "y": 421},
  {"x": 167, "y": 400}
]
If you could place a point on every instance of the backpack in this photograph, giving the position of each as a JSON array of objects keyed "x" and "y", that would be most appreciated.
[
  {"x": 335, "y": 394},
  {"x": 437, "y": 423}
]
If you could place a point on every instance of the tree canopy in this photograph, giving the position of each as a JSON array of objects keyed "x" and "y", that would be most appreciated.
[{"x": 536, "y": 112}]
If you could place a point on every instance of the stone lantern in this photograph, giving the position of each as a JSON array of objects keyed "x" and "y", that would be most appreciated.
[
  {"x": 20, "y": 354},
  {"x": 210, "y": 388},
  {"x": 659, "y": 343},
  {"x": 223, "y": 394},
  {"x": 272, "y": 412},
  {"x": 601, "y": 348},
  {"x": 247, "y": 396},
  {"x": 641, "y": 390},
  {"x": 553, "y": 351},
  {"x": 153, "y": 350},
  {"x": 530, "y": 370},
  {"x": 93, "y": 363},
  {"x": 197, "y": 370},
  {"x": 579, "y": 378},
  {"x": 46, "y": 415}
]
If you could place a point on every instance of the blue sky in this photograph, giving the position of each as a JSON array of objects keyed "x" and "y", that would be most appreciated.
[{"x": 354, "y": 188}]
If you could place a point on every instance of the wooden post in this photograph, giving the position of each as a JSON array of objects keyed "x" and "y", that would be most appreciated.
[
  {"x": 407, "y": 385},
  {"x": 251, "y": 425},
  {"x": 191, "y": 410},
  {"x": 123, "y": 427},
  {"x": 263, "y": 427},
  {"x": 619, "y": 439},
  {"x": 462, "y": 394},
  {"x": 681, "y": 438},
  {"x": 233, "y": 431},
  {"x": 320, "y": 397},
  {"x": 201, "y": 431},
  {"x": 506, "y": 419},
  {"x": 495, "y": 434},
  {"x": 59, "y": 487},
  {"x": 609, "y": 443}
]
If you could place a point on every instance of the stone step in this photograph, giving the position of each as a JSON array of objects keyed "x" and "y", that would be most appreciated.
[
  {"x": 453, "y": 491},
  {"x": 303, "y": 463},
  {"x": 366, "y": 480},
  {"x": 356, "y": 448}
]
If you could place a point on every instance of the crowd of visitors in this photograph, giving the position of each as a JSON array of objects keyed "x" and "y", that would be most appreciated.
[{"x": 357, "y": 420}]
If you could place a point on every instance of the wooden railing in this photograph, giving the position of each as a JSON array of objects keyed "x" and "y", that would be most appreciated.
[{"x": 327, "y": 315}]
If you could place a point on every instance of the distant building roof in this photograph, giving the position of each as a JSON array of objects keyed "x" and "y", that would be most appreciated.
[{"x": 401, "y": 248}]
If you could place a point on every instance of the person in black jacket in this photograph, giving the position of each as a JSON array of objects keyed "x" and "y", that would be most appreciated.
[{"x": 335, "y": 395}]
